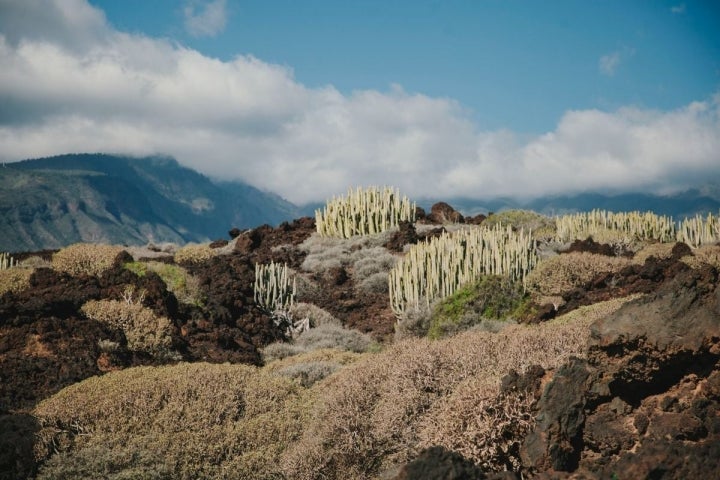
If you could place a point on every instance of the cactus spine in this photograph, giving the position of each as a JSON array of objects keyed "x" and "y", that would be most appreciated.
[
  {"x": 363, "y": 212},
  {"x": 436, "y": 269},
  {"x": 273, "y": 290}
]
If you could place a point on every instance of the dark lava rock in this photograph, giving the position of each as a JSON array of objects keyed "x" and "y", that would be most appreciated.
[
  {"x": 442, "y": 213},
  {"x": 218, "y": 243},
  {"x": 646, "y": 402},
  {"x": 406, "y": 235},
  {"x": 234, "y": 233},
  {"x": 590, "y": 246},
  {"x": 438, "y": 463}
]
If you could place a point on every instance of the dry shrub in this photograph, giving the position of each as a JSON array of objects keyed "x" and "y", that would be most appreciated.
[
  {"x": 309, "y": 373},
  {"x": 370, "y": 269},
  {"x": 660, "y": 251},
  {"x": 85, "y": 259},
  {"x": 414, "y": 322},
  {"x": 326, "y": 336},
  {"x": 315, "y": 314},
  {"x": 340, "y": 357},
  {"x": 324, "y": 253},
  {"x": 480, "y": 423},
  {"x": 35, "y": 261},
  {"x": 194, "y": 253},
  {"x": 369, "y": 414},
  {"x": 562, "y": 273},
  {"x": 192, "y": 420},
  {"x": 143, "y": 330},
  {"x": 14, "y": 280},
  {"x": 705, "y": 254}
]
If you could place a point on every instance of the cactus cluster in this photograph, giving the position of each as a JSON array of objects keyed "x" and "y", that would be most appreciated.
[
  {"x": 435, "y": 269},
  {"x": 363, "y": 212},
  {"x": 696, "y": 231},
  {"x": 6, "y": 261},
  {"x": 273, "y": 289},
  {"x": 642, "y": 226}
]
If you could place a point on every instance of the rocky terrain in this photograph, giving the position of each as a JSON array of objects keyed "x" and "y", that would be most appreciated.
[{"x": 644, "y": 402}]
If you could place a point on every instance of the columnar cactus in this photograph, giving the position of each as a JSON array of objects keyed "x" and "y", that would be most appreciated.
[
  {"x": 696, "y": 231},
  {"x": 6, "y": 261},
  {"x": 436, "y": 269},
  {"x": 273, "y": 290},
  {"x": 363, "y": 212},
  {"x": 643, "y": 226}
]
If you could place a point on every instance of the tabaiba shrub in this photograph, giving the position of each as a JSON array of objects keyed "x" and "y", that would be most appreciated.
[
  {"x": 14, "y": 280},
  {"x": 560, "y": 274},
  {"x": 143, "y": 330},
  {"x": 369, "y": 415},
  {"x": 194, "y": 253},
  {"x": 187, "y": 421},
  {"x": 85, "y": 259}
]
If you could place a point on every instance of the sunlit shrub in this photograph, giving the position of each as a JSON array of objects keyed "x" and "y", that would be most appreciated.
[
  {"x": 85, "y": 259},
  {"x": 194, "y": 253}
]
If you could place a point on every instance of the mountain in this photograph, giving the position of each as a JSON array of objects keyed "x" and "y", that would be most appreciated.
[
  {"x": 702, "y": 201},
  {"x": 52, "y": 202}
]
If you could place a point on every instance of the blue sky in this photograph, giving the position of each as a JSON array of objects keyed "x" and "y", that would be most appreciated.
[
  {"x": 307, "y": 98},
  {"x": 515, "y": 64}
]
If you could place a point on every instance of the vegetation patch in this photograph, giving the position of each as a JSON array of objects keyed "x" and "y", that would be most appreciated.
[
  {"x": 85, "y": 259},
  {"x": 194, "y": 253},
  {"x": 177, "y": 279},
  {"x": 14, "y": 280},
  {"x": 492, "y": 297}
]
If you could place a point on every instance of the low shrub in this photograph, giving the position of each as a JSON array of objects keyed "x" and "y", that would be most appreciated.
[
  {"x": 85, "y": 259},
  {"x": 539, "y": 225},
  {"x": 312, "y": 312},
  {"x": 309, "y": 373},
  {"x": 14, "y": 280},
  {"x": 192, "y": 420},
  {"x": 143, "y": 330},
  {"x": 325, "y": 336},
  {"x": 414, "y": 322},
  {"x": 178, "y": 280},
  {"x": 370, "y": 415},
  {"x": 194, "y": 253},
  {"x": 704, "y": 254},
  {"x": 492, "y": 297},
  {"x": 560, "y": 274}
]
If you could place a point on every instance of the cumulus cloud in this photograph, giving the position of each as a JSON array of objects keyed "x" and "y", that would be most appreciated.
[
  {"x": 252, "y": 120},
  {"x": 205, "y": 18}
]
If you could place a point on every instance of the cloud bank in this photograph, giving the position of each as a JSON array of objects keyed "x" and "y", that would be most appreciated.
[{"x": 81, "y": 86}]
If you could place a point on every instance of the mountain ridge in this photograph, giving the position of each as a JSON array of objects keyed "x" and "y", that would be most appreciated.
[{"x": 54, "y": 201}]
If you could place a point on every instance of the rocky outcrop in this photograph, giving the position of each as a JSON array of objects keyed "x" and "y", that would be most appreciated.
[{"x": 646, "y": 402}]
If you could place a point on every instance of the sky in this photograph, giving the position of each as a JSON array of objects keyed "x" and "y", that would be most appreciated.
[{"x": 442, "y": 99}]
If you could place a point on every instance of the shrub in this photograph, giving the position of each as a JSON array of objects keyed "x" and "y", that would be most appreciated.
[
  {"x": 316, "y": 315},
  {"x": 323, "y": 337},
  {"x": 490, "y": 298},
  {"x": 526, "y": 220},
  {"x": 364, "y": 212},
  {"x": 85, "y": 259},
  {"x": 660, "y": 251},
  {"x": 143, "y": 330},
  {"x": 369, "y": 414},
  {"x": 705, "y": 254},
  {"x": 193, "y": 420},
  {"x": 309, "y": 373},
  {"x": 194, "y": 253},
  {"x": 35, "y": 261},
  {"x": 562, "y": 273},
  {"x": 179, "y": 281},
  {"x": 14, "y": 280},
  {"x": 413, "y": 322}
]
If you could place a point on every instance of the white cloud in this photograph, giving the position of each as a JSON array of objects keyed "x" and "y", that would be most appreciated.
[
  {"x": 252, "y": 120},
  {"x": 205, "y": 18},
  {"x": 678, "y": 9}
]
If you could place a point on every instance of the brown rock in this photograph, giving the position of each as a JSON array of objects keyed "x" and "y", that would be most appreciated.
[{"x": 443, "y": 213}]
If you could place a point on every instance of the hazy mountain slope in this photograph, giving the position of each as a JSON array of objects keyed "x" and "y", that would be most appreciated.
[{"x": 52, "y": 202}]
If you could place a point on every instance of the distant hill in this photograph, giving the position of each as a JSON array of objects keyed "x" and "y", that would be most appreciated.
[
  {"x": 53, "y": 202},
  {"x": 685, "y": 204}
]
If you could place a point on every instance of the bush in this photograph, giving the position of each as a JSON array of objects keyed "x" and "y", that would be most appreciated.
[
  {"x": 561, "y": 274},
  {"x": 309, "y": 373},
  {"x": 527, "y": 220},
  {"x": 143, "y": 330},
  {"x": 85, "y": 259},
  {"x": 193, "y": 420},
  {"x": 194, "y": 253},
  {"x": 179, "y": 281},
  {"x": 315, "y": 314},
  {"x": 14, "y": 280},
  {"x": 413, "y": 322},
  {"x": 704, "y": 254},
  {"x": 490, "y": 298},
  {"x": 369, "y": 415},
  {"x": 323, "y": 337}
]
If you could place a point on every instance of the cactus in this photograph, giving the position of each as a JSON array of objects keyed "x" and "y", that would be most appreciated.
[
  {"x": 696, "y": 231},
  {"x": 643, "y": 226},
  {"x": 436, "y": 269},
  {"x": 6, "y": 261},
  {"x": 363, "y": 212},
  {"x": 273, "y": 290}
]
